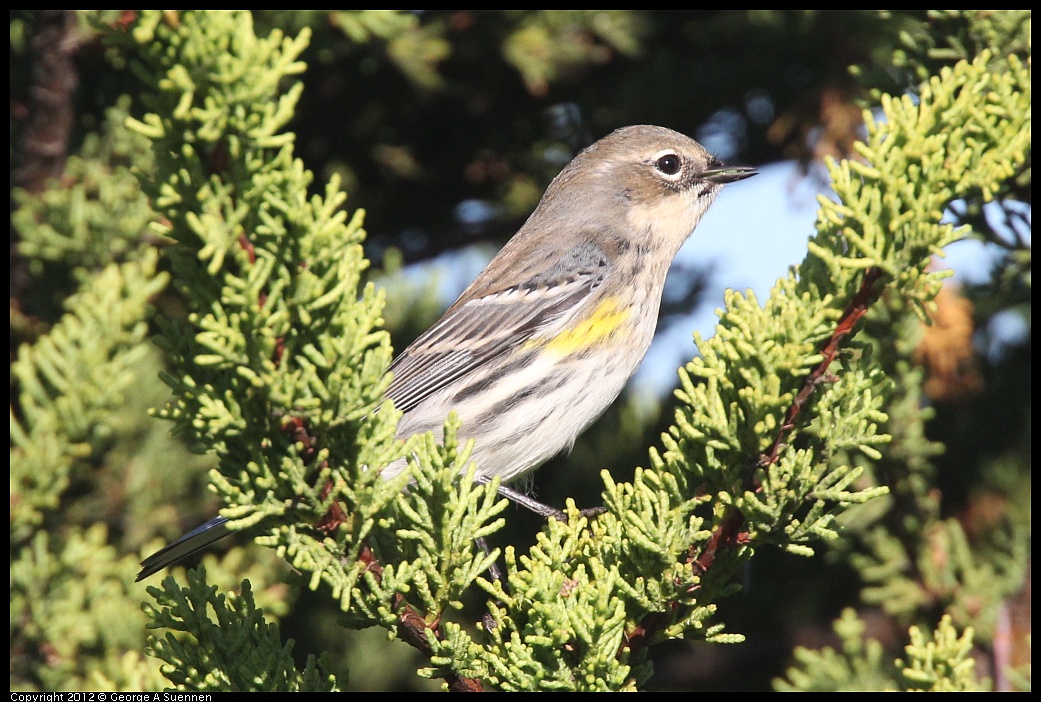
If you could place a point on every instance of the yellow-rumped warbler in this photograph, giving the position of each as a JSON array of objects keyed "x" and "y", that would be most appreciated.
[{"x": 545, "y": 338}]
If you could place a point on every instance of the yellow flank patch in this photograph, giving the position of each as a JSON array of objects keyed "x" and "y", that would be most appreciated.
[{"x": 594, "y": 329}]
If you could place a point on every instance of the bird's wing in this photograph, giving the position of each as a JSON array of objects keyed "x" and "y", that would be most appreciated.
[{"x": 479, "y": 330}]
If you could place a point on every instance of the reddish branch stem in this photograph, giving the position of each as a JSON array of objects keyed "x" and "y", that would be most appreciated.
[
  {"x": 856, "y": 309},
  {"x": 414, "y": 629},
  {"x": 730, "y": 532}
]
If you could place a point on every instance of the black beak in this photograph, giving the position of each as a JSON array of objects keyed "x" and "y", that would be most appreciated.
[{"x": 722, "y": 173}]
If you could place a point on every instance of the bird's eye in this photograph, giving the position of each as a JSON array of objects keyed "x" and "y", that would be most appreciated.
[{"x": 669, "y": 164}]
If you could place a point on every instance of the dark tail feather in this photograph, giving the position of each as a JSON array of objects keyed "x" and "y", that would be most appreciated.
[{"x": 192, "y": 542}]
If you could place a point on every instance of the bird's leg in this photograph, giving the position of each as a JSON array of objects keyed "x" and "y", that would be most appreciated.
[
  {"x": 537, "y": 507},
  {"x": 493, "y": 569}
]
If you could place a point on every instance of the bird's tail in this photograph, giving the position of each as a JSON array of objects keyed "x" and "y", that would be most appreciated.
[{"x": 195, "y": 540}]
